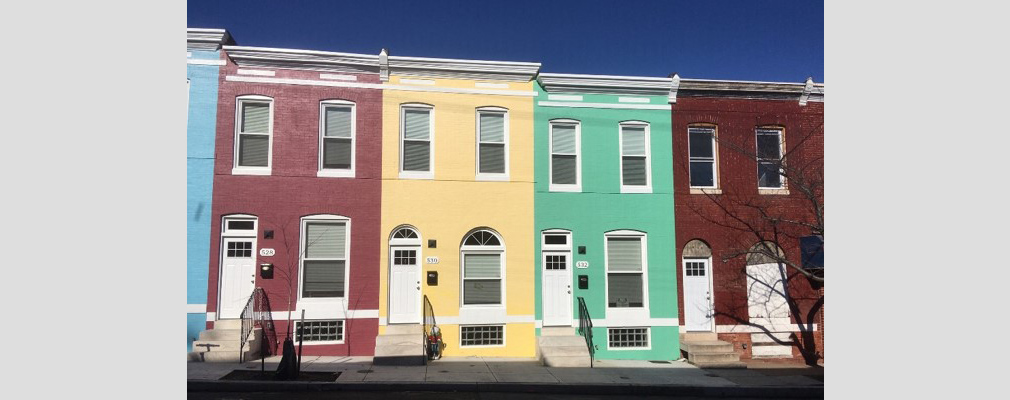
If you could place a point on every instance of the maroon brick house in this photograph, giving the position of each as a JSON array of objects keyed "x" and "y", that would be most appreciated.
[
  {"x": 297, "y": 196},
  {"x": 748, "y": 186}
]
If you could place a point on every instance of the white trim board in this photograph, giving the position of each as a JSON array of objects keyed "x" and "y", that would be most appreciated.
[
  {"x": 383, "y": 86},
  {"x": 204, "y": 62},
  {"x": 624, "y": 322},
  {"x": 338, "y": 77},
  {"x": 604, "y": 105},
  {"x": 476, "y": 320},
  {"x": 259, "y": 72},
  {"x": 196, "y": 308}
]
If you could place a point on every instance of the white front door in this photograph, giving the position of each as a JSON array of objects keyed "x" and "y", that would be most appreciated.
[
  {"x": 404, "y": 285},
  {"x": 697, "y": 295},
  {"x": 557, "y": 298},
  {"x": 238, "y": 275}
]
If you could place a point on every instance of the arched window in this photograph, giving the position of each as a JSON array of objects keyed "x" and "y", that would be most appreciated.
[
  {"x": 764, "y": 253},
  {"x": 405, "y": 233},
  {"x": 482, "y": 256}
]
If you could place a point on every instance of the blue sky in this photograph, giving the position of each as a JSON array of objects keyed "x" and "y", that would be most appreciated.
[{"x": 781, "y": 41}]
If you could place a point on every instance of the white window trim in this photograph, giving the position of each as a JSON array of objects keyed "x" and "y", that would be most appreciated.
[
  {"x": 301, "y": 262},
  {"x": 430, "y": 173},
  {"x": 612, "y": 311},
  {"x": 334, "y": 172},
  {"x": 782, "y": 146},
  {"x": 325, "y": 342},
  {"x": 555, "y": 247},
  {"x": 240, "y": 170},
  {"x": 577, "y": 187},
  {"x": 504, "y": 336},
  {"x": 648, "y": 337},
  {"x": 485, "y": 176},
  {"x": 239, "y": 233},
  {"x": 648, "y": 157},
  {"x": 464, "y": 250},
  {"x": 715, "y": 158}
]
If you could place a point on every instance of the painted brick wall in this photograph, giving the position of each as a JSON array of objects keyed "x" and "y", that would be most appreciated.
[
  {"x": 293, "y": 191},
  {"x": 736, "y": 120}
]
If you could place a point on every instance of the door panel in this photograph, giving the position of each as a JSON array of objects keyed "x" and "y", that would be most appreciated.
[
  {"x": 238, "y": 275},
  {"x": 557, "y": 291},
  {"x": 697, "y": 295},
  {"x": 404, "y": 285}
]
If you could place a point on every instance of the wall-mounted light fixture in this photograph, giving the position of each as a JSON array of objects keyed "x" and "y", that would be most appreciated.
[
  {"x": 267, "y": 271},
  {"x": 431, "y": 243}
]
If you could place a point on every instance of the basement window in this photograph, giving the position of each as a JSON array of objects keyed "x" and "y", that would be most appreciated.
[
  {"x": 628, "y": 338},
  {"x": 482, "y": 335},
  {"x": 331, "y": 331}
]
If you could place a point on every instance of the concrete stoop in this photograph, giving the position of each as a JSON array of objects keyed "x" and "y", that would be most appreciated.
[
  {"x": 705, "y": 350},
  {"x": 400, "y": 345},
  {"x": 221, "y": 344},
  {"x": 562, "y": 347}
]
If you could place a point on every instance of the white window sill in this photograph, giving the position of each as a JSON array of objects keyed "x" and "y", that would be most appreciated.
[
  {"x": 492, "y": 177},
  {"x": 566, "y": 188},
  {"x": 416, "y": 175},
  {"x": 250, "y": 171},
  {"x": 773, "y": 191},
  {"x": 335, "y": 173},
  {"x": 636, "y": 189},
  {"x": 704, "y": 190},
  {"x": 329, "y": 342}
]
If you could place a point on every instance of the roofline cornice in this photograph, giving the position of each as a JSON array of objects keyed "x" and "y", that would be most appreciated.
[
  {"x": 303, "y": 59},
  {"x": 605, "y": 84},
  {"x": 463, "y": 69},
  {"x": 800, "y": 91},
  {"x": 207, "y": 39}
]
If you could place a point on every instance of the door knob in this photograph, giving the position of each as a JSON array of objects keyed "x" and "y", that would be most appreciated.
[
  {"x": 418, "y": 288},
  {"x": 569, "y": 292}
]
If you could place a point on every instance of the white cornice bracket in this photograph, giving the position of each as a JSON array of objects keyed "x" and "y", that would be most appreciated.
[
  {"x": 384, "y": 65},
  {"x": 809, "y": 87},
  {"x": 673, "y": 89}
]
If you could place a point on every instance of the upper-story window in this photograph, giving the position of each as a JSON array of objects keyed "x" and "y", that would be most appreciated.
[
  {"x": 769, "y": 158},
  {"x": 336, "y": 138},
  {"x": 565, "y": 167},
  {"x": 636, "y": 174},
  {"x": 325, "y": 243},
  {"x": 701, "y": 148},
  {"x": 253, "y": 133},
  {"x": 416, "y": 147},
  {"x": 492, "y": 143}
]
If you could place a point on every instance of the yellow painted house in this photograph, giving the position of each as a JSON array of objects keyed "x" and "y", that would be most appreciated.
[{"x": 457, "y": 205}]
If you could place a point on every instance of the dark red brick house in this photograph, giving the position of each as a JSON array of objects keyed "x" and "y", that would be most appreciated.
[
  {"x": 297, "y": 189},
  {"x": 748, "y": 185}
]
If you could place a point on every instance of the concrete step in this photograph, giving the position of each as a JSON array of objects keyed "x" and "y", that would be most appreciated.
[
  {"x": 698, "y": 336},
  {"x": 566, "y": 360},
  {"x": 564, "y": 350},
  {"x": 399, "y": 360},
  {"x": 557, "y": 331},
  {"x": 399, "y": 350},
  {"x": 228, "y": 324},
  {"x": 220, "y": 334},
  {"x": 222, "y": 356},
  {"x": 713, "y": 357},
  {"x": 716, "y": 346},
  {"x": 394, "y": 340},
  {"x": 405, "y": 329},
  {"x": 721, "y": 365},
  {"x": 545, "y": 341}
]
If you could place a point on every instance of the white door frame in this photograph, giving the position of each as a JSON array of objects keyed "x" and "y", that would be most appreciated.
[
  {"x": 711, "y": 292},
  {"x": 389, "y": 284},
  {"x": 221, "y": 277},
  {"x": 543, "y": 286}
]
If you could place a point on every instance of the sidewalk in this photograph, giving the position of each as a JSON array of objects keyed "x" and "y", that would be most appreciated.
[{"x": 526, "y": 375}]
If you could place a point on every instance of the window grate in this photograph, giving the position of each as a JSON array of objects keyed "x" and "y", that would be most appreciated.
[
  {"x": 320, "y": 331},
  {"x": 629, "y": 337},
  {"x": 483, "y": 335}
]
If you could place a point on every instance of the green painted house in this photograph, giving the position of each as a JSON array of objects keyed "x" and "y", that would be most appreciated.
[{"x": 604, "y": 216}]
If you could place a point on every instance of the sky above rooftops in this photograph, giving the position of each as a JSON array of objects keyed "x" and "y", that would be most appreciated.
[{"x": 776, "y": 41}]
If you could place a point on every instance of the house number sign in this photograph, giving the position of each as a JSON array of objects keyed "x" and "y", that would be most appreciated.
[
  {"x": 431, "y": 260},
  {"x": 582, "y": 264},
  {"x": 266, "y": 252}
]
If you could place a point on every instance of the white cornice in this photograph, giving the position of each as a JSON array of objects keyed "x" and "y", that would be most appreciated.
[
  {"x": 605, "y": 84},
  {"x": 801, "y": 92},
  {"x": 207, "y": 39},
  {"x": 303, "y": 59},
  {"x": 463, "y": 69}
]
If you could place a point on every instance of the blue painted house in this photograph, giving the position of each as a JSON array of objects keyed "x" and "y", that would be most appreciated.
[{"x": 203, "y": 61}]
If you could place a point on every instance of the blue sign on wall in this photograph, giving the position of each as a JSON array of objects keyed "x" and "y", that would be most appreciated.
[{"x": 812, "y": 251}]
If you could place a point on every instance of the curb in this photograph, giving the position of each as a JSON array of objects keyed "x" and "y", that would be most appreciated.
[{"x": 482, "y": 387}]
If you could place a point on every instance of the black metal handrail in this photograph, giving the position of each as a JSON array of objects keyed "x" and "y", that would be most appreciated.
[
  {"x": 586, "y": 328},
  {"x": 429, "y": 322},
  {"x": 256, "y": 314}
]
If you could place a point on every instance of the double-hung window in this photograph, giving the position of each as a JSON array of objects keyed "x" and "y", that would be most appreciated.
[
  {"x": 483, "y": 264},
  {"x": 253, "y": 132},
  {"x": 769, "y": 158},
  {"x": 565, "y": 163},
  {"x": 492, "y": 143},
  {"x": 635, "y": 171},
  {"x": 324, "y": 257},
  {"x": 701, "y": 148},
  {"x": 416, "y": 147},
  {"x": 625, "y": 270},
  {"x": 336, "y": 138}
]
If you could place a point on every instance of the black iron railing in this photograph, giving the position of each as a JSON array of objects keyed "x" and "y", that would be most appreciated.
[
  {"x": 586, "y": 329},
  {"x": 429, "y": 323},
  {"x": 256, "y": 314}
]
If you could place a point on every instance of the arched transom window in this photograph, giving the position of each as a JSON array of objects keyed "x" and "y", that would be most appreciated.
[{"x": 405, "y": 233}]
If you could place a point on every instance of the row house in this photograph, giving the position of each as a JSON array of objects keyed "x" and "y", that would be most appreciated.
[
  {"x": 748, "y": 188},
  {"x": 604, "y": 221},
  {"x": 203, "y": 60}
]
